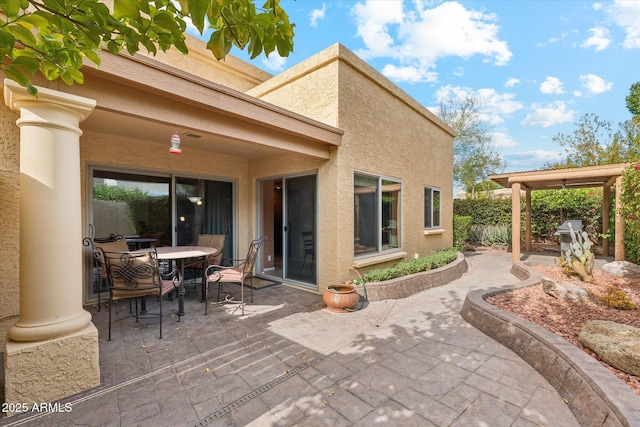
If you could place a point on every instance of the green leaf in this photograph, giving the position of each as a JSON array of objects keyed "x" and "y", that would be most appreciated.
[
  {"x": 23, "y": 34},
  {"x": 126, "y": 9},
  {"x": 197, "y": 11}
]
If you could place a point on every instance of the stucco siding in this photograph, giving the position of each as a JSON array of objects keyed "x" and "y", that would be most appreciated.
[
  {"x": 231, "y": 72},
  {"x": 9, "y": 221},
  {"x": 386, "y": 133}
]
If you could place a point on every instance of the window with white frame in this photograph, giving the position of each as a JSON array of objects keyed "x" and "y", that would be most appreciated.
[
  {"x": 431, "y": 207},
  {"x": 376, "y": 218}
]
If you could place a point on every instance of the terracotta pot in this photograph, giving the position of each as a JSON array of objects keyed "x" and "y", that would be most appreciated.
[{"x": 341, "y": 297}]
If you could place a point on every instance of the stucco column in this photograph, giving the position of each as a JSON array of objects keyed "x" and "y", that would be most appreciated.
[
  {"x": 53, "y": 332},
  {"x": 515, "y": 222},
  {"x": 50, "y": 213}
]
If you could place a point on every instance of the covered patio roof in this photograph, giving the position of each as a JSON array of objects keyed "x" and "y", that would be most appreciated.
[{"x": 555, "y": 179}]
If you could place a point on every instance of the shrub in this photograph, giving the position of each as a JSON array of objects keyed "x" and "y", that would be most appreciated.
[
  {"x": 484, "y": 211},
  {"x": 461, "y": 226},
  {"x": 631, "y": 212},
  {"x": 615, "y": 298},
  {"x": 429, "y": 262}
]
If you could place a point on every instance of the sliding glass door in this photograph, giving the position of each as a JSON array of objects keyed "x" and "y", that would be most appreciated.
[{"x": 157, "y": 210}]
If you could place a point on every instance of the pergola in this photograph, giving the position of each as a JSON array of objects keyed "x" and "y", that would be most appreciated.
[{"x": 555, "y": 179}]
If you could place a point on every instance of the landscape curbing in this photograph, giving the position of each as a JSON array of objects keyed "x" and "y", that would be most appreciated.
[
  {"x": 405, "y": 286},
  {"x": 594, "y": 395}
]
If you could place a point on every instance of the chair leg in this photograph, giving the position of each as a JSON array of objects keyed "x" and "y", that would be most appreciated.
[
  {"x": 110, "y": 304},
  {"x": 161, "y": 315}
]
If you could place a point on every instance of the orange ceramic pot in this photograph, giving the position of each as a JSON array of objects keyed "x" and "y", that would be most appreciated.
[{"x": 341, "y": 298}]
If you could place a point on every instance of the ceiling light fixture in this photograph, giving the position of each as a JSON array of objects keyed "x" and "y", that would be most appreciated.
[{"x": 175, "y": 143}]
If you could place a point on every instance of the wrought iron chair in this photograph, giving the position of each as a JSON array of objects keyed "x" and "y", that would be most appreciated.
[
  {"x": 213, "y": 241},
  {"x": 238, "y": 273},
  {"x": 308, "y": 248},
  {"x": 137, "y": 275},
  {"x": 113, "y": 243}
]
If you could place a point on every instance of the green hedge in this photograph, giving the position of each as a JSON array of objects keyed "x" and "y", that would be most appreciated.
[
  {"x": 429, "y": 262},
  {"x": 484, "y": 211}
]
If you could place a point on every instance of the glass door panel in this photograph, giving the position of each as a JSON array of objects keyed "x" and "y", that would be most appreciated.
[
  {"x": 300, "y": 229},
  {"x": 204, "y": 207}
]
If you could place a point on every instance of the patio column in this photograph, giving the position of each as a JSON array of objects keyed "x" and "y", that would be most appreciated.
[
  {"x": 619, "y": 246},
  {"x": 52, "y": 350},
  {"x": 515, "y": 222}
]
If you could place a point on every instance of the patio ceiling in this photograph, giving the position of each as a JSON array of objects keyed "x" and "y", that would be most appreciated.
[
  {"x": 144, "y": 99},
  {"x": 583, "y": 177}
]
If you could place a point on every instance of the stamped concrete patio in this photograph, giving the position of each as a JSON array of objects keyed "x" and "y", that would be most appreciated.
[{"x": 289, "y": 361}]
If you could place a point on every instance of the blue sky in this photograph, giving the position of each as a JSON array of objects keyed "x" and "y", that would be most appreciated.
[{"x": 537, "y": 65}]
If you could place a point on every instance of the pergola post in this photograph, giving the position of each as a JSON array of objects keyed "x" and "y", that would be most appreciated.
[
  {"x": 515, "y": 222},
  {"x": 619, "y": 247},
  {"x": 527, "y": 219},
  {"x": 606, "y": 202}
]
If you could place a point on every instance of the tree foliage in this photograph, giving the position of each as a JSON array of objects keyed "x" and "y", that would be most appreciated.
[
  {"x": 55, "y": 36},
  {"x": 474, "y": 154},
  {"x": 596, "y": 142},
  {"x": 633, "y": 100}
]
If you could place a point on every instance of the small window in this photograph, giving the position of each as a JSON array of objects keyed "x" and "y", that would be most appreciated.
[
  {"x": 431, "y": 207},
  {"x": 376, "y": 206}
]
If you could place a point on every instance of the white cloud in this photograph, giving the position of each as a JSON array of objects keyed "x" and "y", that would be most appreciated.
[
  {"x": 408, "y": 74},
  {"x": 599, "y": 39},
  {"x": 549, "y": 115},
  {"x": 511, "y": 82},
  {"x": 533, "y": 159},
  {"x": 418, "y": 36},
  {"x": 317, "y": 15},
  {"x": 595, "y": 84},
  {"x": 494, "y": 106},
  {"x": 552, "y": 85},
  {"x": 502, "y": 139},
  {"x": 274, "y": 62},
  {"x": 626, "y": 14}
]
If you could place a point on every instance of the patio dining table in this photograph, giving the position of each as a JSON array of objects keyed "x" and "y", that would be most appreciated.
[{"x": 180, "y": 254}]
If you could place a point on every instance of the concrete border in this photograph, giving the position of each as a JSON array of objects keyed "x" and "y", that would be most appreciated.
[
  {"x": 593, "y": 393},
  {"x": 405, "y": 286}
]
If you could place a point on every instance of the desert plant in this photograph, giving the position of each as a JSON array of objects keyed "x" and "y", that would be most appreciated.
[
  {"x": 579, "y": 259},
  {"x": 615, "y": 298},
  {"x": 491, "y": 235}
]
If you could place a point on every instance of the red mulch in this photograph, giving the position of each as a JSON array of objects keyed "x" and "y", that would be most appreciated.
[{"x": 566, "y": 318}]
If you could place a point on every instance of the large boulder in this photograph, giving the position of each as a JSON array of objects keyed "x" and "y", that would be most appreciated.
[
  {"x": 615, "y": 343},
  {"x": 624, "y": 269},
  {"x": 565, "y": 291}
]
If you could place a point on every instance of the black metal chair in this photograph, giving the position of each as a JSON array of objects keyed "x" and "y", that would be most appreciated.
[
  {"x": 308, "y": 248},
  {"x": 113, "y": 243},
  {"x": 137, "y": 275},
  {"x": 238, "y": 273}
]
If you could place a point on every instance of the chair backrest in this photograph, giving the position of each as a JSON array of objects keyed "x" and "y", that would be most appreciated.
[
  {"x": 119, "y": 245},
  {"x": 213, "y": 241},
  {"x": 250, "y": 260},
  {"x": 132, "y": 274},
  {"x": 307, "y": 239}
]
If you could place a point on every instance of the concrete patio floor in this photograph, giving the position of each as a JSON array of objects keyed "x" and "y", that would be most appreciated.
[{"x": 290, "y": 361}]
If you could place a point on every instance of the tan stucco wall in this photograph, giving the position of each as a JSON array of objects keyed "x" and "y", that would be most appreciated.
[
  {"x": 9, "y": 220},
  {"x": 231, "y": 72},
  {"x": 386, "y": 133}
]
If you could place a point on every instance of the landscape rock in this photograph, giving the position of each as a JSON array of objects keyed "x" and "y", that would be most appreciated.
[
  {"x": 565, "y": 291},
  {"x": 623, "y": 269},
  {"x": 616, "y": 343}
]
